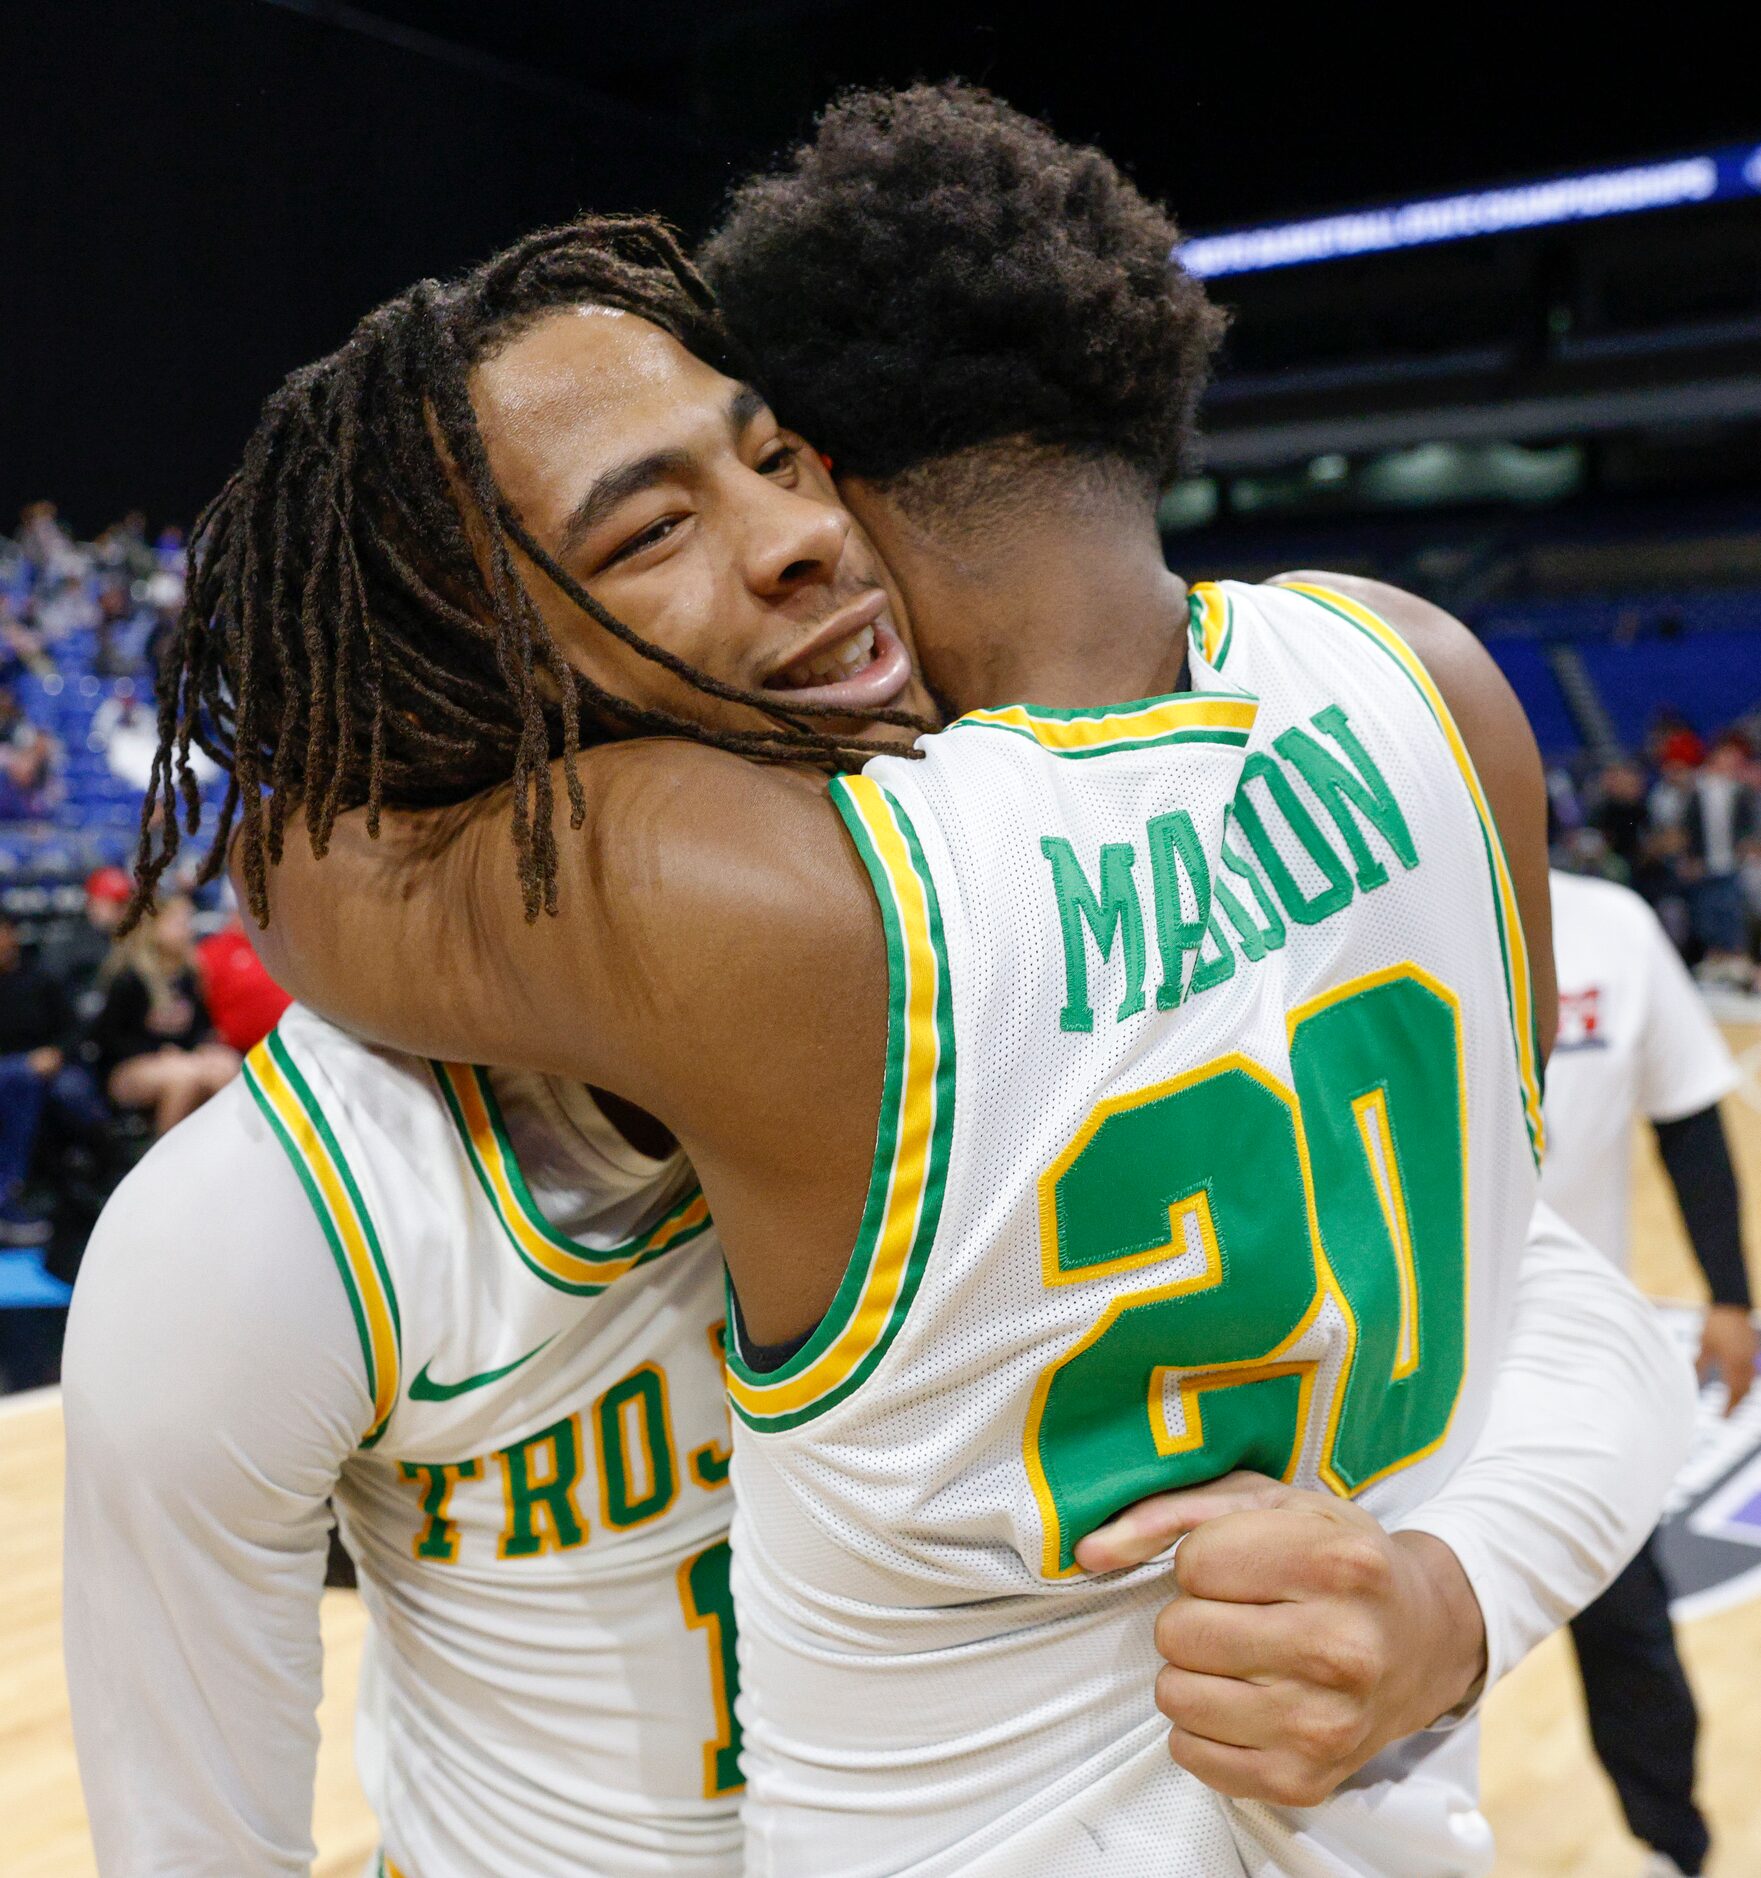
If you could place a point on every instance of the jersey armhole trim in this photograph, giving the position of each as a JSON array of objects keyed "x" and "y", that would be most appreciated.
[
  {"x": 1512, "y": 943},
  {"x": 909, "y": 1175},
  {"x": 297, "y": 1120},
  {"x": 1210, "y": 622},
  {"x": 1185, "y": 717},
  {"x": 566, "y": 1263}
]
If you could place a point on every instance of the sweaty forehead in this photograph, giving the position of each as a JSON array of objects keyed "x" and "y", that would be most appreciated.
[{"x": 584, "y": 389}]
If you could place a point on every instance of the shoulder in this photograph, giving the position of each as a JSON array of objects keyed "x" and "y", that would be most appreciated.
[
  {"x": 1615, "y": 919},
  {"x": 692, "y": 847},
  {"x": 1492, "y": 725},
  {"x": 1478, "y": 697},
  {"x": 1600, "y": 899},
  {"x": 1457, "y": 661},
  {"x": 208, "y": 1294},
  {"x": 1595, "y": 919},
  {"x": 653, "y": 785}
]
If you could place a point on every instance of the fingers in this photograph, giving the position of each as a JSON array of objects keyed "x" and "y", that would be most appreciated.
[
  {"x": 1223, "y": 1709},
  {"x": 1253, "y": 1773},
  {"x": 1727, "y": 1349},
  {"x": 1739, "y": 1378},
  {"x": 1319, "y": 1728},
  {"x": 1271, "y": 1643},
  {"x": 1149, "y": 1527},
  {"x": 1239, "y": 1640},
  {"x": 1311, "y": 1546}
]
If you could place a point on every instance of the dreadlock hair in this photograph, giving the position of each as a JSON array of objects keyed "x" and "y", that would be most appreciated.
[
  {"x": 945, "y": 296},
  {"x": 355, "y": 630}
]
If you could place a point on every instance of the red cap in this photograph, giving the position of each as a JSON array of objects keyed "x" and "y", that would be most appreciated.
[{"x": 109, "y": 883}]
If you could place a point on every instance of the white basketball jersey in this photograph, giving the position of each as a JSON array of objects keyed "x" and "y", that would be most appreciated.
[
  {"x": 1210, "y": 1058},
  {"x": 539, "y": 1507}
]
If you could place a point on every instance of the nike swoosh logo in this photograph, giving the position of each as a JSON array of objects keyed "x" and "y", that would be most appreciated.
[{"x": 425, "y": 1389}]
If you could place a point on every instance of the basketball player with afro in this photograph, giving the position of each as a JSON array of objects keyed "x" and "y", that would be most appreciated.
[{"x": 950, "y": 955}]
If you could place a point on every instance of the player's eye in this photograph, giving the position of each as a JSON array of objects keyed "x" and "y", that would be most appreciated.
[
  {"x": 779, "y": 460},
  {"x": 655, "y": 532}
]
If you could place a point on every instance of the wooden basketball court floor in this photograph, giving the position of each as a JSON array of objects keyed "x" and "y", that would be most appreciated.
[{"x": 1554, "y": 1813}]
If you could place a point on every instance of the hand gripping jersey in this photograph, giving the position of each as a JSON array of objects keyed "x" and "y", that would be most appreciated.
[
  {"x": 1208, "y": 1141},
  {"x": 539, "y": 1506}
]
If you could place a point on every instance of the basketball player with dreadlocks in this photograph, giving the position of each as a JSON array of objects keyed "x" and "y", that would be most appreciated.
[
  {"x": 513, "y": 1398},
  {"x": 937, "y": 1687}
]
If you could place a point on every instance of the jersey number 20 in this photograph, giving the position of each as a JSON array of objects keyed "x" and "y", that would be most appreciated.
[{"x": 1351, "y": 1187}]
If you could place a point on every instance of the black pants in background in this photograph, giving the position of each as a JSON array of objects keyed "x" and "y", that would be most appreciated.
[{"x": 1642, "y": 1716}]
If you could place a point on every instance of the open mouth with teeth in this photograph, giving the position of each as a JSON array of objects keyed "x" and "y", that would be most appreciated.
[
  {"x": 843, "y": 660},
  {"x": 855, "y": 662}
]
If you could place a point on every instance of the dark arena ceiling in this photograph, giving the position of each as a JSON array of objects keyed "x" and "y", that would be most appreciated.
[{"x": 207, "y": 193}]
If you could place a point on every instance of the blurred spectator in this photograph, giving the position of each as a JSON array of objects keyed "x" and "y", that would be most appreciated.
[
  {"x": 1619, "y": 813},
  {"x": 37, "y": 1079},
  {"x": 1674, "y": 743},
  {"x": 60, "y": 600},
  {"x": 1721, "y": 827},
  {"x": 122, "y": 548},
  {"x": 115, "y": 615},
  {"x": 155, "y": 1043},
  {"x": 159, "y": 636},
  {"x": 125, "y": 588},
  {"x": 27, "y": 758},
  {"x": 164, "y": 586},
  {"x": 1667, "y": 803},
  {"x": 1586, "y": 851},
  {"x": 47, "y": 546},
  {"x": 126, "y": 729},
  {"x": 21, "y": 650},
  {"x": 1565, "y": 803},
  {"x": 243, "y": 1001},
  {"x": 74, "y": 952}
]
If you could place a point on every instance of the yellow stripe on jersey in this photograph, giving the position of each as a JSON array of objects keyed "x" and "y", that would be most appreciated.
[
  {"x": 1511, "y": 940},
  {"x": 1185, "y": 718},
  {"x": 298, "y": 1121},
  {"x": 1370, "y": 1112},
  {"x": 911, "y": 1153},
  {"x": 567, "y": 1263},
  {"x": 1210, "y": 622}
]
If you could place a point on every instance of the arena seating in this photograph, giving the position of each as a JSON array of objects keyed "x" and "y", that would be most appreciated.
[
  {"x": 1524, "y": 662},
  {"x": 95, "y": 824},
  {"x": 1698, "y": 653}
]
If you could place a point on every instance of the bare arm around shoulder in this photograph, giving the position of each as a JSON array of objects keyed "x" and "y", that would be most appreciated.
[
  {"x": 1502, "y": 745},
  {"x": 701, "y": 890},
  {"x": 213, "y": 1386}
]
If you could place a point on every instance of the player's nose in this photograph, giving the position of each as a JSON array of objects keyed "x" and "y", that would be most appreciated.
[{"x": 794, "y": 540}]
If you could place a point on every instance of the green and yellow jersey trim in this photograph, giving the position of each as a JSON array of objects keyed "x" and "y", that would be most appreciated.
[
  {"x": 1211, "y": 622},
  {"x": 1511, "y": 941},
  {"x": 910, "y": 1172},
  {"x": 559, "y": 1260},
  {"x": 298, "y": 1122},
  {"x": 1187, "y": 717}
]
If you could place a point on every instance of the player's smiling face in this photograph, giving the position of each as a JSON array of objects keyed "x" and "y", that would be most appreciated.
[{"x": 673, "y": 496}]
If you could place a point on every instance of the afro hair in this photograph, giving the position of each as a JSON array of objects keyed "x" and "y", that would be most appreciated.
[{"x": 935, "y": 272}]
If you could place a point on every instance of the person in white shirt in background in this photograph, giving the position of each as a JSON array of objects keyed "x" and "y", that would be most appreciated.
[
  {"x": 1635, "y": 1038},
  {"x": 1721, "y": 824}
]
